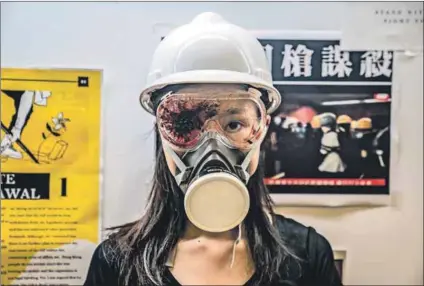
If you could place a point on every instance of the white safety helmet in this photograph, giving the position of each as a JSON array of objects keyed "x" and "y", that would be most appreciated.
[{"x": 209, "y": 50}]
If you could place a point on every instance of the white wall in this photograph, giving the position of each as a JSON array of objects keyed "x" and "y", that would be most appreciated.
[{"x": 384, "y": 245}]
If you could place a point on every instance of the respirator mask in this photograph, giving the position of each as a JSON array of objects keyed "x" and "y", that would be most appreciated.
[{"x": 211, "y": 138}]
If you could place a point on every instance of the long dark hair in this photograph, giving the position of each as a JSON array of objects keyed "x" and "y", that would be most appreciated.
[{"x": 141, "y": 248}]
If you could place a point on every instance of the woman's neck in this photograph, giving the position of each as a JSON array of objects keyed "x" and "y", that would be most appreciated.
[
  {"x": 193, "y": 232},
  {"x": 205, "y": 258}
]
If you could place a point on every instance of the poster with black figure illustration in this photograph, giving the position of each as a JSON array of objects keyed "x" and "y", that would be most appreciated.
[
  {"x": 331, "y": 134},
  {"x": 50, "y": 174},
  {"x": 24, "y": 102}
]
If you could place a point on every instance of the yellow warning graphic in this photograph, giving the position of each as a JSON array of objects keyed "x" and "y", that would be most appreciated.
[{"x": 50, "y": 164}]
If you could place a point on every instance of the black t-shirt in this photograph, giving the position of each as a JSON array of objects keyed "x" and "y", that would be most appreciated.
[{"x": 319, "y": 269}]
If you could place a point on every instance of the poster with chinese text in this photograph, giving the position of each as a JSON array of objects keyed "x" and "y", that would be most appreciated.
[
  {"x": 331, "y": 134},
  {"x": 50, "y": 164}
]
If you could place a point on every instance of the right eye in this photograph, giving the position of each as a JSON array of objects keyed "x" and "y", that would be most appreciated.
[{"x": 234, "y": 126}]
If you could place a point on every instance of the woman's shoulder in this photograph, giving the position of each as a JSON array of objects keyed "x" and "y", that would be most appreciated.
[
  {"x": 105, "y": 249},
  {"x": 114, "y": 246},
  {"x": 305, "y": 239},
  {"x": 104, "y": 265},
  {"x": 314, "y": 248},
  {"x": 105, "y": 254}
]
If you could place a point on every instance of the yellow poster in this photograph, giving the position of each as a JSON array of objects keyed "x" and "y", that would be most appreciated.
[{"x": 50, "y": 165}]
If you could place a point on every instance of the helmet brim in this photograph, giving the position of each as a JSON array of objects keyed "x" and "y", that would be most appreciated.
[{"x": 210, "y": 76}]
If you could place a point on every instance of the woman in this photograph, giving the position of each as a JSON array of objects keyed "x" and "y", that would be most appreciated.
[{"x": 209, "y": 217}]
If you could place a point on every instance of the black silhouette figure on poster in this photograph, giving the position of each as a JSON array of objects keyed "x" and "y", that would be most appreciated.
[
  {"x": 373, "y": 145},
  {"x": 24, "y": 102}
]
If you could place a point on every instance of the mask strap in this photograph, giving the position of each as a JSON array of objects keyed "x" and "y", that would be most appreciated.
[
  {"x": 247, "y": 160},
  {"x": 244, "y": 166},
  {"x": 233, "y": 256},
  {"x": 180, "y": 164}
]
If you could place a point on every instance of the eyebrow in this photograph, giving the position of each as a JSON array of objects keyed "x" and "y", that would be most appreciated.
[{"x": 234, "y": 110}]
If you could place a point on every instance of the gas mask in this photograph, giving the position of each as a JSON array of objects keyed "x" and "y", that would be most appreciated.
[{"x": 211, "y": 139}]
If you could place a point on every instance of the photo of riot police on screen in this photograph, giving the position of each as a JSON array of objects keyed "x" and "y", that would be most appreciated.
[{"x": 308, "y": 141}]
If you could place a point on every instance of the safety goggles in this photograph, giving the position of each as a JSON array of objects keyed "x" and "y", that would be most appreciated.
[{"x": 184, "y": 119}]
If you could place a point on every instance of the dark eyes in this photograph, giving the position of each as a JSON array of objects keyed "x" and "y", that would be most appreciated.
[{"x": 233, "y": 126}]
